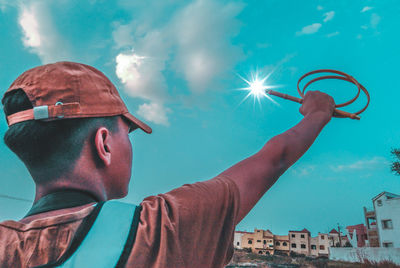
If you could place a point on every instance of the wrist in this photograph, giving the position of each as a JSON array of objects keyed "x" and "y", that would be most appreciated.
[{"x": 319, "y": 117}]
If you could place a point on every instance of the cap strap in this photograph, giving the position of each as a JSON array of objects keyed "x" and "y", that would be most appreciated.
[{"x": 45, "y": 112}]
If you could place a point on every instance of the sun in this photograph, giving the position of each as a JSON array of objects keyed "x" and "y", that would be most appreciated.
[{"x": 257, "y": 86}]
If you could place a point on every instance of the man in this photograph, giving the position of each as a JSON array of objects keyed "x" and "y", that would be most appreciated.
[{"x": 70, "y": 127}]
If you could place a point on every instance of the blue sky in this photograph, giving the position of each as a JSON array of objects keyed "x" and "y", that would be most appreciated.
[{"x": 176, "y": 64}]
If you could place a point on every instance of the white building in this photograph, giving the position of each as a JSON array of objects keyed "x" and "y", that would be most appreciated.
[
  {"x": 387, "y": 211},
  {"x": 237, "y": 239}
]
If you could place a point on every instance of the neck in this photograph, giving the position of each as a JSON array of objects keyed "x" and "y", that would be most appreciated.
[{"x": 95, "y": 189}]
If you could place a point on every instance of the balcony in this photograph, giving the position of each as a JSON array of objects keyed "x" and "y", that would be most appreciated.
[{"x": 369, "y": 212}]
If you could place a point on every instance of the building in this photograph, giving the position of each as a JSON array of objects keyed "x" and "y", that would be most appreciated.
[
  {"x": 260, "y": 242},
  {"x": 387, "y": 213},
  {"x": 281, "y": 244},
  {"x": 314, "y": 244},
  {"x": 337, "y": 239},
  {"x": 360, "y": 231},
  {"x": 300, "y": 241},
  {"x": 372, "y": 231},
  {"x": 237, "y": 239},
  {"x": 323, "y": 244}
]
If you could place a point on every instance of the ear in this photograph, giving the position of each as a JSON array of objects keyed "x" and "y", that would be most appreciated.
[{"x": 102, "y": 144}]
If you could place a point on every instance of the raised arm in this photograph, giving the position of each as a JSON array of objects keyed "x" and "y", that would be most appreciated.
[{"x": 256, "y": 174}]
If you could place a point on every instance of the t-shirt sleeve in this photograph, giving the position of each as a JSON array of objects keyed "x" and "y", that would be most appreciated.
[{"x": 191, "y": 226}]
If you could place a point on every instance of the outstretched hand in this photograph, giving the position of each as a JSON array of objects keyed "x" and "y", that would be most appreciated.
[{"x": 316, "y": 102}]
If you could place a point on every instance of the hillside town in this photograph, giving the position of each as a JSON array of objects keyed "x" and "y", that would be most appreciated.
[{"x": 380, "y": 234}]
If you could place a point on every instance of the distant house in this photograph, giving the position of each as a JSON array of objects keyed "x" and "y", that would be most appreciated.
[
  {"x": 300, "y": 241},
  {"x": 282, "y": 244},
  {"x": 360, "y": 232},
  {"x": 337, "y": 239},
  {"x": 237, "y": 240},
  {"x": 260, "y": 242},
  {"x": 323, "y": 244},
  {"x": 387, "y": 212},
  {"x": 372, "y": 231}
]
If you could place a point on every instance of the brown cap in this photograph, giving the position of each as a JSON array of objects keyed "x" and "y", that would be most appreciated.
[{"x": 69, "y": 90}]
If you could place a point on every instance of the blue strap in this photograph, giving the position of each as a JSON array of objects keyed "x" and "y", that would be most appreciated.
[{"x": 107, "y": 238}]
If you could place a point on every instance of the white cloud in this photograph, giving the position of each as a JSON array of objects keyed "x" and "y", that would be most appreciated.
[
  {"x": 154, "y": 112},
  {"x": 329, "y": 15},
  {"x": 122, "y": 36},
  {"x": 375, "y": 19},
  {"x": 332, "y": 34},
  {"x": 365, "y": 9},
  {"x": 310, "y": 29},
  {"x": 303, "y": 171},
  {"x": 195, "y": 44},
  {"x": 366, "y": 164},
  {"x": 141, "y": 76},
  {"x": 30, "y": 26},
  {"x": 39, "y": 34},
  {"x": 204, "y": 41}
]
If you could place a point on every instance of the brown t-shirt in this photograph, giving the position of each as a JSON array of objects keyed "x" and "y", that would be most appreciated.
[{"x": 191, "y": 226}]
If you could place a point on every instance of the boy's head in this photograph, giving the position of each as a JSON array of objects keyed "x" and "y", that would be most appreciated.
[{"x": 54, "y": 110}]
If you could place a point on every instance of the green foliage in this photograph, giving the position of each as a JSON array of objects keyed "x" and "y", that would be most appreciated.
[{"x": 396, "y": 164}]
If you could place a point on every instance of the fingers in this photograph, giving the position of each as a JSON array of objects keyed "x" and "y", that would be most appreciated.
[{"x": 317, "y": 101}]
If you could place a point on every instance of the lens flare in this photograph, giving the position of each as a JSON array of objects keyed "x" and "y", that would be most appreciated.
[{"x": 256, "y": 87}]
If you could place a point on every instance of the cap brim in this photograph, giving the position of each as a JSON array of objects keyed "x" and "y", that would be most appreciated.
[{"x": 137, "y": 122}]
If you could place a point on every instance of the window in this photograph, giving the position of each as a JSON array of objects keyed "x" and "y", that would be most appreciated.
[
  {"x": 303, "y": 246},
  {"x": 285, "y": 244},
  {"x": 379, "y": 202},
  {"x": 250, "y": 241},
  {"x": 277, "y": 243},
  {"x": 258, "y": 231},
  {"x": 293, "y": 235},
  {"x": 322, "y": 247},
  {"x": 259, "y": 241},
  {"x": 265, "y": 242},
  {"x": 313, "y": 247},
  {"x": 322, "y": 237},
  {"x": 387, "y": 244},
  {"x": 302, "y": 236},
  {"x": 387, "y": 224},
  {"x": 237, "y": 244},
  {"x": 260, "y": 252},
  {"x": 293, "y": 245}
]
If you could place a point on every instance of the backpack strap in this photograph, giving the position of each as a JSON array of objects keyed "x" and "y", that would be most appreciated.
[{"x": 108, "y": 244}]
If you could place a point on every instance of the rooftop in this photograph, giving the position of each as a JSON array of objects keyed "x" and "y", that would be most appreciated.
[
  {"x": 387, "y": 194},
  {"x": 302, "y": 231}
]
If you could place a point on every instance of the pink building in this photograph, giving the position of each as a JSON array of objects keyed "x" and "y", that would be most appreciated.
[{"x": 361, "y": 233}]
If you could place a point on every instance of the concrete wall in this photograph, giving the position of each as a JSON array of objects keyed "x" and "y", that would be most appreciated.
[{"x": 359, "y": 254}]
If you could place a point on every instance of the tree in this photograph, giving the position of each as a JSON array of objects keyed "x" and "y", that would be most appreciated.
[{"x": 396, "y": 164}]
